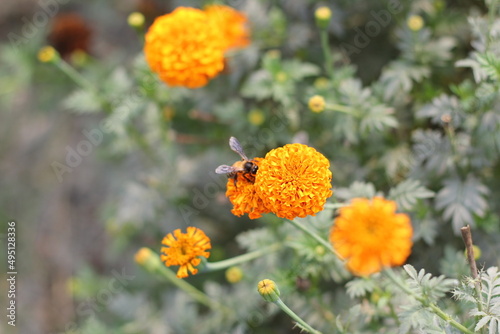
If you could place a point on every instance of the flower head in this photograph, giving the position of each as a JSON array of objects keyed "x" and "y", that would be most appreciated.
[
  {"x": 370, "y": 235},
  {"x": 185, "y": 48},
  {"x": 294, "y": 181},
  {"x": 136, "y": 20},
  {"x": 231, "y": 23},
  {"x": 244, "y": 197},
  {"x": 184, "y": 250},
  {"x": 323, "y": 15}
]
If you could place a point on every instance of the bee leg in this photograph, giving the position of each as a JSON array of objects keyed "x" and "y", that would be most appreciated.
[
  {"x": 249, "y": 180},
  {"x": 235, "y": 178}
]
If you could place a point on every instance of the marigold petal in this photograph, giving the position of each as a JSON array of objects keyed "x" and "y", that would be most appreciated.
[
  {"x": 371, "y": 236},
  {"x": 185, "y": 249}
]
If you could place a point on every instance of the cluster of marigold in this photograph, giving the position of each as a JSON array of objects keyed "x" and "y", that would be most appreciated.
[
  {"x": 295, "y": 181},
  {"x": 186, "y": 47}
]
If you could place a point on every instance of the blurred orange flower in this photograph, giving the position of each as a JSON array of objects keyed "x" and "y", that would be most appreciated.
[
  {"x": 370, "y": 235},
  {"x": 244, "y": 197},
  {"x": 185, "y": 249},
  {"x": 185, "y": 48},
  {"x": 294, "y": 181},
  {"x": 231, "y": 23}
]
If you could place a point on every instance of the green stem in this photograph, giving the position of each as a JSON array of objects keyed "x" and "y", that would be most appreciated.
[
  {"x": 316, "y": 237},
  {"x": 302, "y": 323},
  {"x": 327, "y": 54},
  {"x": 335, "y": 205},
  {"x": 491, "y": 19},
  {"x": 75, "y": 76},
  {"x": 433, "y": 307},
  {"x": 212, "y": 266},
  {"x": 341, "y": 108}
]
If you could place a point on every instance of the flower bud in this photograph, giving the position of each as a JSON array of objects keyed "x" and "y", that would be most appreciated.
[
  {"x": 147, "y": 259},
  {"x": 48, "y": 54},
  {"x": 256, "y": 117},
  {"x": 234, "y": 274},
  {"x": 268, "y": 290},
  {"x": 136, "y": 20},
  {"x": 322, "y": 15},
  {"x": 316, "y": 103},
  {"x": 415, "y": 22}
]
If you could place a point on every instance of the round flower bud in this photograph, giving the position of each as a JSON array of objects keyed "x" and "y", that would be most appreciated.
[
  {"x": 234, "y": 274},
  {"x": 268, "y": 290},
  {"x": 47, "y": 54},
  {"x": 322, "y": 15},
  {"x": 136, "y": 20},
  {"x": 316, "y": 103},
  {"x": 415, "y": 22}
]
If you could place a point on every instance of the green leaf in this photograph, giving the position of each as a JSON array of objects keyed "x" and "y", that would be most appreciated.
[
  {"x": 461, "y": 199},
  {"x": 407, "y": 193},
  {"x": 83, "y": 101},
  {"x": 357, "y": 189},
  {"x": 441, "y": 107}
]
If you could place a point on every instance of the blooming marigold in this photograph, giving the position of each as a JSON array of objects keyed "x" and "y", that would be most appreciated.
[
  {"x": 294, "y": 181},
  {"x": 185, "y": 48},
  {"x": 231, "y": 23},
  {"x": 184, "y": 250},
  {"x": 244, "y": 197},
  {"x": 371, "y": 236}
]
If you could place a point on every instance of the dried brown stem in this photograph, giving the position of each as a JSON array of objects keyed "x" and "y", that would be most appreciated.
[{"x": 467, "y": 236}]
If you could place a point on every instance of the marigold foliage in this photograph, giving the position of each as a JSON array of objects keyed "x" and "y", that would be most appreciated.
[
  {"x": 370, "y": 235},
  {"x": 185, "y": 48},
  {"x": 185, "y": 249},
  {"x": 294, "y": 181}
]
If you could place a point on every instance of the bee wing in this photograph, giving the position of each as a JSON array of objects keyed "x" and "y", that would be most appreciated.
[
  {"x": 235, "y": 145},
  {"x": 225, "y": 169}
]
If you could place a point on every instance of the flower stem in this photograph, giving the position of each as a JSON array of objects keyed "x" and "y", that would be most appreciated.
[
  {"x": 212, "y": 266},
  {"x": 433, "y": 307},
  {"x": 74, "y": 75},
  {"x": 155, "y": 266},
  {"x": 327, "y": 54},
  {"x": 316, "y": 237},
  {"x": 302, "y": 323},
  {"x": 340, "y": 108}
]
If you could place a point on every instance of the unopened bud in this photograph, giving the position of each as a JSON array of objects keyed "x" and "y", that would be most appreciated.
[
  {"x": 268, "y": 290},
  {"x": 322, "y": 15},
  {"x": 316, "y": 103},
  {"x": 48, "y": 54},
  {"x": 136, "y": 20},
  {"x": 234, "y": 274},
  {"x": 415, "y": 22}
]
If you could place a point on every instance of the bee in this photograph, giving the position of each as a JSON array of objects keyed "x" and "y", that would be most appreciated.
[{"x": 247, "y": 167}]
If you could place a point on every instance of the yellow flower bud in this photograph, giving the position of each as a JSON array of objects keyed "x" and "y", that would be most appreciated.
[
  {"x": 323, "y": 15},
  {"x": 47, "y": 54},
  {"x": 234, "y": 274},
  {"x": 477, "y": 252},
  {"x": 268, "y": 290},
  {"x": 415, "y": 22},
  {"x": 281, "y": 76},
  {"x": 316, "y": 103},
  {"x": 136, "y": 20},
  {"x": 256, "y": 117},
  {"x": 142, "y": 255}
]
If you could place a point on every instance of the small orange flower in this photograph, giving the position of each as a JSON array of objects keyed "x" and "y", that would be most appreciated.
[
  {"x": 185, "y": 48},
  {"x": 370, "y": 235},
  {"x": 184, "y": 250},
  {"x": 294, "y": 181},
  {"x": 244, "y": 197},
  {"x": 232, "y": 25}
]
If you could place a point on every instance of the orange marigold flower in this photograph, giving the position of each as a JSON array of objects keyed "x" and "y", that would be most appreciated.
[
  {"x": 244, "y": 197},
  {"x": 184, "y": 250},
  {"x": 231, "y": 23},
  {"x": 294, "y": 181},
  {"x": 185, "y": 48},
  {"x": 370, "y": 235}
]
